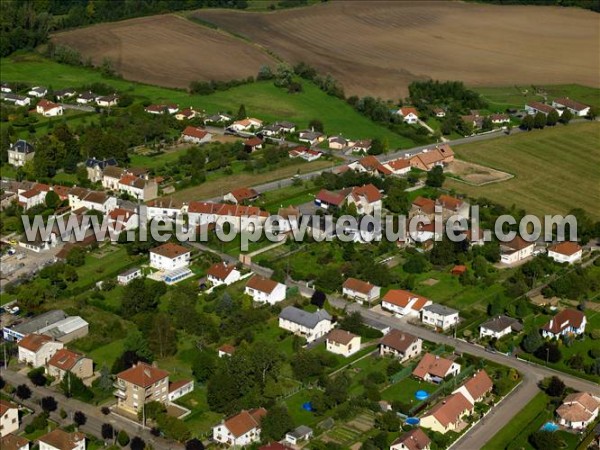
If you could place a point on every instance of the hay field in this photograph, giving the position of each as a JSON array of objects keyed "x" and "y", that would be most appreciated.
[
  {"x": 378, "y": 48},
  {"x": 554, "y": 169},
  {"x": 166, "y": 50}
]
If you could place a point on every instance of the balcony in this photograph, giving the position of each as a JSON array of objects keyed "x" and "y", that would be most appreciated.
[{"x": 121, "y": 394}]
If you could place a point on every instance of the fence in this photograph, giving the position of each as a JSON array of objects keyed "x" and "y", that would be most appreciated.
[{"x": 402, "y": 374}]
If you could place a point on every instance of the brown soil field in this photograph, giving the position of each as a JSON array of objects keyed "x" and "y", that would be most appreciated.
[
  {"x": 378, "y": 48},
  {"x": 167, "y": 50},
  {"x": 476, "y": 174}
]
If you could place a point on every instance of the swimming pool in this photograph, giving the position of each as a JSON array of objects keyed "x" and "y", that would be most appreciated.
[{"x": 549, "y": 426}]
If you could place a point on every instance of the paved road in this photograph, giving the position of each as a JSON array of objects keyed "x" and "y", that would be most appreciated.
[{"x": 95, "y": 418}]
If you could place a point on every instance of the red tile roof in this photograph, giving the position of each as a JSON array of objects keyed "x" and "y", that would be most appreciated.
[
  {"x": 173, "y": 386},
  {"x": 220, "y": 270},
  {"x": 262, "y": 284},
  {"x": 195, "y": 132},
  {"x": 415, "y": 439},
  {"x": 253, "y": 142},
  {"x": 449, "y": 202},
  {"x": 398, "y": 340},
  {"x": 341, "y": 336},
  {"x": 406, "y": 110},
  {"x": 275, "y": 446},
  {"x": 433, "y": 365},
  {"x": 13, "y": 442},
  {"x": 572, "y": 104},
  {"x": 479, "y": 384},
  {"x": 244, "y": 193},
  {"x": 5, "y": 406},
  {"x": 34, "y": 342},
  {"x": 356, "y": 285},
  {"x": 518, "y": 243},
  {"x": 226, "y": 348},
  {"x": 143, "y": 375},
  {"x": 62, "y": 440},
  {"x": 372, "y": 163},
  {"x": 564, "y": 319},
  {"x": 424, "y": 204},
  {"x": 566, "y": 248},
  {"x": 331, "y": 198},
  {"x": 170, "y": 250},
  {"x": 402, "y": 298},
  {"x": 65, "y": 359},
  {"x": 541, "y": 107},
  {"x": 450, "y": 409},
  {"x": 368, "y": 191},
  {"x": 245, "y": 421},
  {"x": 399, "y": 164},
  {"x": 47, "y": 105}
]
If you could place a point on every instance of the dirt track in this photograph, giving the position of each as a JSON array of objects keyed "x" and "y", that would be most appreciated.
[
  {"x": 167, "y": 50},
  {"x": 378, "y": 48}
]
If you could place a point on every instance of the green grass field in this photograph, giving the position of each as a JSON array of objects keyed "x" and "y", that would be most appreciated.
[
  {"x": 262, "y": 99},
  {"x": 555, "y": 169}
]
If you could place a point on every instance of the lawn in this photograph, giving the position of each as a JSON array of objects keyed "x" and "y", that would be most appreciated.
[
  {"x": 262, "y": 99},
  {"x": 404, "y": 391},
  {"x": 107, "y": 354},
  {"x": 102, "y": 263},
  {"x": 201, "y": 420},
  {"x": 300, "y": 415},
  {"x": 551, "y": 169}
]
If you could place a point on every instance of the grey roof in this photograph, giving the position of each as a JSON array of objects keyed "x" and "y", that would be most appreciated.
[
  {"x": 301, "y": 432},
  {"x": 37, "y": 323},
  {"x": 39, "y": 89},
  {"x": 13, "y": 97},
  {"x": 64, "y": 327},
  {"x": 305, "y": 318},
  {"x": 91, "y": 162},
  {"x": 310, "y": 135},
  {"x": 130, "y": 271},
  {"x": 89, "y": 95},
  {"x": 501, "y": 323},
  {"x": 285, "y": 124},
  {"x": 272, "y": 127},
  {"x": 22, "y": 146},
  {"x": 440, "y": 309}
]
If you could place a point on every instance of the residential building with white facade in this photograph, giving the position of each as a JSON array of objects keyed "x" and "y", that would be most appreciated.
[
  {"x": 37, "y": 349},
  {"x": 306, "y": 324},
  {"x": 439, "y": 316},
  {"x": 169, "y": 257},
  {"x": 240, "y": 430},
  {"x": 264, "y": 290}
]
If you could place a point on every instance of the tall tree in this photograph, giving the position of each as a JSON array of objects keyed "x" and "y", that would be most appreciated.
[
  {"x": 276, "y": 423},
  {"x": 163, "y": 338},
  {"x": 241, "y": 114}
]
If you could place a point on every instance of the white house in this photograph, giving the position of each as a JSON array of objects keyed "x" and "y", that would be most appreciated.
[
  {"x": 164, "y": 208},
  {"x": 225, "y": 350},
  {"x": 403, "y": 346},
  {"x": 499, "y": 326},
  {"x": 434, "y": 368},
  {"x": 62, "y": 440},
  {"x": 223, "y": 273},
  {"x": 18, "y": 100},
  {"x": 195, "y": 135},
  {"x": 309, "y": 325},
  {"x": 578, "y": 410},
  {"x": 14, "y": 442},
  {"x": 20, "y": 152},
  {"x": 38, "y": 92},
  {"x": 515, "y": 250},
  {"x": 361, "y": 291},
  {"x": 576, "y": 108},
  {"x": 342, "y": 342},
  {"x": 532, "y": 108},
  {"x": 439, "y": 316},
  {"x": 37, "y": 349},
  {"x": 339, "y": 142},
  {"x": 415, "y": 439},
  {"x": 86, "y": 97},
  {"x": 298, "y": 435},
  {"x": 400, "y": 166},
  {"x": 409, "y": 115},
  {"x": 107, "y": 101},
  {"x": 129, "y": 275},
  {"x": 122, "y": 220},
  {"x": 241, "y": 195},
  {"x": 307, "y": 154},
  {"x": 240, "y": 430},
  {"x": 404, "y": 303},
  {"x": 264, "y": 290},
  {"x": 565, "y": 252},
  {"x": 48, "y": 109},
  {"x": 568, "y": 321},
  {"x": 169, "y": 257},
  {"x": 366, "y": 199},
  {"x": 476, "y": 387},
  {"x": 9, "y": 417},
  {"x": 246, "y": 124},
  {"x": 180, "y": 388},
  {"x": 311, "y": 137}
]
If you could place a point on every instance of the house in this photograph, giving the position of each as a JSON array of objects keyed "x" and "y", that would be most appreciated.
[
  {"x": 18, "y": 100},
  {"x": 38, "y": 92},
  {"x": 264, "y": 290},
  {"x": 361, "y": 146},
  {"x": 252, "y": 144},
  {"x": 499, "y": 326},
  {"x": 129, "y": 275},
  {"x": 578, "y": 410},
  {"x": 138, "y": 187},
  {"x": 400, "y": 166},
  {"x": 439, "y": 316},
  {"x": 498, "y": 119},
  {"x": 342, "y": 342},
  {"x": 476, "y": 388},
  {"x": 447, "y": 414},
  {"x": 422, "y": 206},
  {"x": 48, "y": 109},
  {"x": 240, "y": 217},
  {"x": 515, "y": 250},
  {"x": 195, "y": 135},
  {"x": 180, "y": 388},
  {"x": 286, "y": 217},
  {"x": 169, "y": 257},
  {"x": 65, "y": 360},
  {"x": 565, "y": 252},
  {"x": 63, "y": 94},
  {"x": 371, "y": 165},
  {"x": 218, "y": 118},
  {"x": 299, "y": 435},
  {"x": 61, "y": 440},
  {"x": 576, "y": 108},
  {"x": 122, "y": 220},
  {"x": 107, "y": 101},
  {"x": 37, "y": 349},
  {"x": 305, "y": 153},
  {"x": 20, "y": 152},
  {"x": 91, "y": 200},
  {"x": 361, "y": 291},
  {"x": 532, "y": 108},
  {"x": 164, "y": 209},
  {"x": 111, "y": 176},
  {"x": 34, "y": 196},
  {"x": 186, "y": 114},
  {"x": 401, "y": 345},
  {"x": 415, "y": 439},
  {"x": 306, "y": 324},
  {"x": 458, "y": 270},
  {"x": 142, "y": 383},
  {"x": 5, "y": 88},
  {"x": 409, "y": 115},
  {"x": 403, "y": 302},
  {"x": 452, "y": 206},
  {"x": 286, "y": 127},
  {"x": 367, "y": 199},
  {"x": 434, "y": 368},
  {"x": 161, "y": 109},
  {"x": 13, "y": 442},
  {"x": 9, "y": 418},
  {"x": 225, "y": 350},
  {"x": 271, "y": 130},
  {"x": 338, "y": 142},
  {"x": 240, "y": 430},
  {"x": 95, "y": 168},
  {"x": 247, "y": 124},
  {"x": 567, "y": 321},
  {"x": 429, "y": 158},
  {"x": 331, "y": 200},
  {"x": 241, "y": 195},
  {"x": 86, "y": 97},
  {"x": 311, "y": 137},
  {"x": 223, "y": 273},
  {"x": 439, "y": 112}
]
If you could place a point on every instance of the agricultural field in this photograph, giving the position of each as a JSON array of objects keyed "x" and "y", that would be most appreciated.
[
  {"x": 440, "y": 40},
  {"x": 181, "y": 51},
  {"x": 551, "y": 168}
]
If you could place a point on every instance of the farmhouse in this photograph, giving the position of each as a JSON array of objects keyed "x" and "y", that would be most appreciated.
[
  {"x": 366, "y": 199},
  {"x": 306, "y": 324},
  {"x": 241, "y": 195},
  {"x": 532, "y": 108},
  {"x": 48, "y": 109},
  {"x": 499, "y": 326},
  {"x": 515, "y": 250},
  {"x": 169, "y": 256},
  {"x": 223, "y": 273},
  {"x": 204, "y": 213},
  {"x": 439, "y": 316},
  {"x": 422, "y": 206},
  {"x": 578, "y": 410},
  {"x": 404, "y": 303},
  {"x": 61, "y": 440},
  {"x": 361, "y": 291},
  {"x": 38, "y": 92},
  {"x": 567, "y": 321},
  {"x": 195, "y": 135},
  {"x": 20, "y": 152},
  {"x": 65, "y": 360},
  {"x": 9, "y": 417},
  {"x": 576, "y": 108},
  {"x": 264, "y": 290},
  {"x": 477, "y": 387},
  {"x": 401, "y": 345},
  {"x": 447, "y": 415},
  {"x": 415, "y": 439},
  {"x": 342, "y": 342},
  {"x": 37, "y": 349},
  {"x": 409, "y": 115},
  {"x": 435, "y": 369},
  {"x": 240, "y": 430},
  {"x": 565, "y": 252},
  {"x": 18, "y": 100},
  {"x": 140, "y": 384}
]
